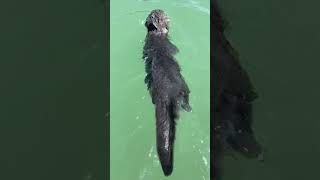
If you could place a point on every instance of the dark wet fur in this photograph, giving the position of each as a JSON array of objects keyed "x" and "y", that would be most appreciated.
[
  {"x": 233, "y": 95},
  {"x": 168, "y": 90}
]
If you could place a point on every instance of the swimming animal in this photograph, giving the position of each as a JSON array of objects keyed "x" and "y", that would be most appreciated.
[{"x": 166, "y": 85}]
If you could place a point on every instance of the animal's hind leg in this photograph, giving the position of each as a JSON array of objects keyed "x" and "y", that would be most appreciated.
[{"x": 185, "y": 101}]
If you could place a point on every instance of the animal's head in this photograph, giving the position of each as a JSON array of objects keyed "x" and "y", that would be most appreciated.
[{"x": 157, "y": 22}]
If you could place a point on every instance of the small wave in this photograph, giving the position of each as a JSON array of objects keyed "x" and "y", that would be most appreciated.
[{"x": 195, "y": 5}]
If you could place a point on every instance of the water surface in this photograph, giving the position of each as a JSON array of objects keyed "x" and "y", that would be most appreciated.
[
  {"x": 132, "y": 119},
  {"x": 278, "y": 43}
]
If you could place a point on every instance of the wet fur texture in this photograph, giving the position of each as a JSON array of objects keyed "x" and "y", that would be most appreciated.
[
  {"x": 233, "y": 95},
  {"x": 167, "y": 87}
]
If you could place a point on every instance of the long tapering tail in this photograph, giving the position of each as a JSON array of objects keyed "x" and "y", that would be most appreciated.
[{"x": 166, "y": 113}]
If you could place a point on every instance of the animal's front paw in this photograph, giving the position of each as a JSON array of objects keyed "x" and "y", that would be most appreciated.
[{"x": 186, "y": 107}]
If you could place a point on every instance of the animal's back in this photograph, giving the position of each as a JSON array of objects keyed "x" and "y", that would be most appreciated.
[{"x": 163, "y": 72}]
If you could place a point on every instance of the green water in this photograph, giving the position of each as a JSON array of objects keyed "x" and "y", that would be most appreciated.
[
  {"x": 278, "y": 42},
  {"x": 132, "y": 120}
]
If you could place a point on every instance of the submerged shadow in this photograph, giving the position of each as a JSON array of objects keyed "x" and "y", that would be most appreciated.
[{"x": 231, "y": 100}]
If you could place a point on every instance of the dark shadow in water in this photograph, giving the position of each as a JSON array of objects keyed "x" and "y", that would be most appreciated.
[
  {"x": 233, "y": 95},
  {"x": 279, "y": 42}
]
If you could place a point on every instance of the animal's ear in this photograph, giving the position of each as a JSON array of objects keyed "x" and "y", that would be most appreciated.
[{"x": 146, "y": 23}]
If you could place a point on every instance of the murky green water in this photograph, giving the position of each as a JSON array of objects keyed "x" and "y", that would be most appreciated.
[
  {"x": 132, "y": 120},
  {"x": 278, "y": 43},
  {"x": 54, "y": 95}
]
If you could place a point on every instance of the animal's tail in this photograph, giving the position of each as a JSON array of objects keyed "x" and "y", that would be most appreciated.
[{"x": 166, "y": 113}]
